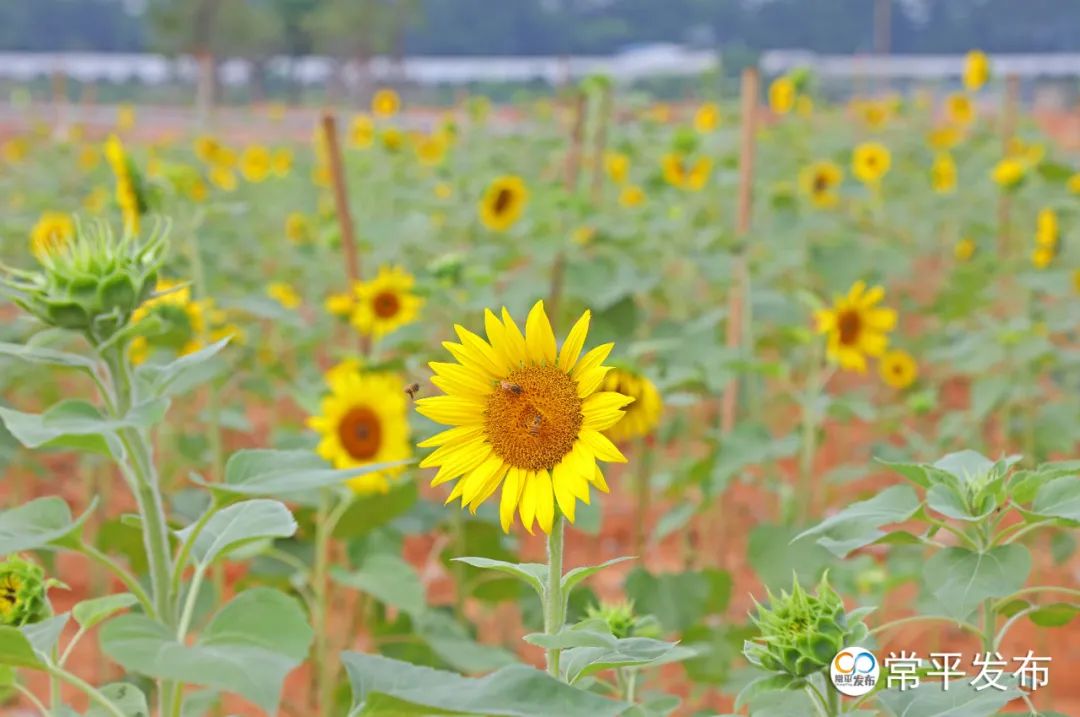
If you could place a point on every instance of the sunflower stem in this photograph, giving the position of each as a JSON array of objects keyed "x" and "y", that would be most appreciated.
[{"x": 554, "y": 602}]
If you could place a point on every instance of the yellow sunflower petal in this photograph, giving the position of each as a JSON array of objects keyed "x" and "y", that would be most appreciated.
[
  {"x": 575, "y": 341},
  {"x": 539, "y": 338}
]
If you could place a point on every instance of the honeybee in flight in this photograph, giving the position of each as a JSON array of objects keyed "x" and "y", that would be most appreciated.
[{"x": 412, "y": 389}]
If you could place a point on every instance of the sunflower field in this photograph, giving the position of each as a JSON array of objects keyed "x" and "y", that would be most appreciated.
[{"x": 576, "y": 407}]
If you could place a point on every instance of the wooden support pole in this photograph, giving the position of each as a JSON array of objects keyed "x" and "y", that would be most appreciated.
[
  {"x": 341, "y": 198},
  {"x": 738, "y": 300},
  {"x": 571, "y": 180},
  {"x": 1010, "y": 102},
  {"x": 603, "y": 120}
]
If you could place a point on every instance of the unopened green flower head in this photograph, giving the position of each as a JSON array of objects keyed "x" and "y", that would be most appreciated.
[
  {"x": 92, "y": 284},
  {"x": 22, "y": 592},
  {"x": 802, "y": 632},
  {"x": 622, "y": 621}
]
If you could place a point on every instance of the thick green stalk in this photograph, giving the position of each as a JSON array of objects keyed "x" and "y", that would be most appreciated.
[
  {"x": 834, "y": 702},
  {"x": 554, "y": 601}
]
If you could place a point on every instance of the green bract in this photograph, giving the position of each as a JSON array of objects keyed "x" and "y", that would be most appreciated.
[
  {"x": 93, "y": 284},
  {"x": 23, "y": 588},
  {"x": 800, "y": 632}
]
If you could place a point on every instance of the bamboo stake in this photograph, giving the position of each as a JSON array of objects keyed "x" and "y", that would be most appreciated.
[
  {"x": 1009, "y": 104},
  {"x": 571, "y": 180},
  {"x": 600, "y": 146},
  {"x": 341, "y": 198},
  {"x": 738, "y": 300}
]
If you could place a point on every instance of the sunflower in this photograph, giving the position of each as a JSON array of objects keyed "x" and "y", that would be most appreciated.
[
  {"x": 642, "y": 416},
  {"x": 943, "y": 138},
  {"x": 964, "y": 249},
  {"x": 870, "y": 162},
  {"x": 525, "y": 416},
  {"x": 875, "y": 114},
  {"x": 284, "y": 294},
  {"x": 503, "y": 202},
  {"x": 680, "y": 172},
  {"x": 392, "y": 139},
  {"x": 297, "y": 228},
  {"x": 943, "y": 174},
  {"x": 53, "y": 232},
  {"x": 782, "y": 95},
  {"x": 707, "y": 117},
  {"x": 1046, "y": 229},
  {"x": 631, "y": 196},
  {"x": 430, "y": 150},
  {"x": 1041, "y": 257},
  {"x": 223, "y": 178},
  {"x": 818, "y": 182},
  {"x": 341, "y": 305},
  {"x": 1073, "y": 184},
  {"x": 976, "y": 70},
  {"x": 617, "y": 165},
  {"x": 125, "y": 118},
  {"x": 363, "y": 421},
  {"x": 1009, "y": 173},
  {"x": 282, "y": 161},
  {"x": 804, "y": 105},
  {"x": 256, "y": 163},
  {"x": 856, "y": 326},
  {"x": 386, "y": 303},
  {"x": 898, "y": 369},
  {"x": 385, "y": 103},
  {"x": 88, "y": 158},
  {"x": 959, "y": 108},
  {"x": 362, "y": 131}
]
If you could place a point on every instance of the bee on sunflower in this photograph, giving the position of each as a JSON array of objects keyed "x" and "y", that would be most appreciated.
[
  {"x": 386, "y": 303},
  {"x": 503, "y": 203},
  {"x": 363, "y": 421},
  {"x": 526, "y": 416},
  {"x": 856, "y": 326}
]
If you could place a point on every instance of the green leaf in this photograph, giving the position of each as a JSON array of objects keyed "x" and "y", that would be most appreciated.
[
  {"x": 183, "y": 374},
  {"x": 775, "y": 553},
  {"x": 388, "y": 579},
  {"x": 859, "y": 524},
  {"x": 392, "y": 688},
  {"x": 767, "y": 683},
  {"x": 914, "y": 472},
  {"x": 946, "y": 500},
  {"x": 579, "y": 662},
  {"x": 38, "y": 523},
  {"x": 678, "y": 600},
  {"x": 961, "y": 578},
  {"x": 1060, "y": 498},
  {"x": 448, "y": 639},
  {"x": 90, "y": 613},
  {"x": 283, "y": 473},
  {"x": 16, "y": 650},
  {"x": 370, "y": 512},
  {"x": 44, "y": 635},
  {"x": 673, "y": 520},
  {"x": 74, "y": 424},
  {"x": 574, "y": 577},
  {"x": 929, "y": 700},
  {"x": 128, "y": 698},
  {"x": 248, "y": 648},
  {"x": 237, "y": 525},
  {"x": 1055, "y": 615},
  {"x": 50, "y": 357},
  {"x": 534, "y": 574}
]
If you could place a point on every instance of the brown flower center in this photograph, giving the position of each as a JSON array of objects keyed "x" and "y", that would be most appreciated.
[
  {"x": 821, "y": 183},
  {"x": 849, "y": 325},
  {"x": 504, "y": 199},
  {"x": 360, "y": 433},
  {"x": 386, "y": 304},
  {"x": 533, "y": 417}
]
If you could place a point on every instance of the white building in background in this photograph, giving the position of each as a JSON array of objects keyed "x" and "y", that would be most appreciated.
[
  {"x": 916, "y": 67},
  {"x": 633, "y": 64}
]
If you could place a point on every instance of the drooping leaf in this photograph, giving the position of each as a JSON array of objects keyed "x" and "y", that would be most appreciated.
[
  {"x": 237, "y": 524},
  {"x": 38, "y": 523},
  {"x": 860, "y": 523},
  {"x": 248, "y": 647},
  {"x": 382, "y": 686},
  {"x": 90, "y": 613},
  {"x": 182, "y": 374},
  {"x": 1059, "y": 498},
  {"x": 534, "y": 574},
  {"x": 128, "y": 698},
  {"x": 16, "y": 650},
  {"x": 46, "y": 356},
  {"x": 44, "y": 635},
  {"x": 1057, "y": 614}
]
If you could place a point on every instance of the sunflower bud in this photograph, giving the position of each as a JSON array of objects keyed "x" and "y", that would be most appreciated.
[
  {"x": 91, "y": 285},
  {"x": 622, "y": 621},
  {"x": 800, "y": 632},
  {"x": 22, "y": 592}
]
